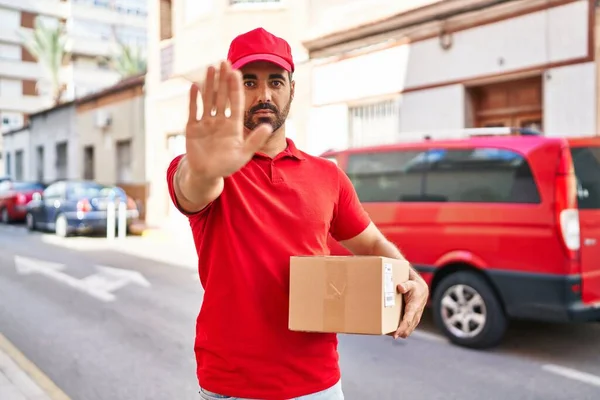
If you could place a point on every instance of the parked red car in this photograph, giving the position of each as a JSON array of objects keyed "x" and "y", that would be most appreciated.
[
  {"x": 14, "y": 197},
  {"x": 500, "y": 227}
]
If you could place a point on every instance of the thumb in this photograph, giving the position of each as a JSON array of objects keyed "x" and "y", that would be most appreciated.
[
  {"x": 405, "y": 287},
  {"x": 257, "y": 138}
]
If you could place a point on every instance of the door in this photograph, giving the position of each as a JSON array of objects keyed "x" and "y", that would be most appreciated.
[
  {"x": 515, "y": 103},
  {"x": 587, "y": 168}
]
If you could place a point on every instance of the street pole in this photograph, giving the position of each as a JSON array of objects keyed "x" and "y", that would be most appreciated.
[
  {"x": 122, "y": 220},
  {"x": 110, "y": 219}
]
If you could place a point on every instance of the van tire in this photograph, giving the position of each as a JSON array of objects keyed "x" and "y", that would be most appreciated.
[{"x": 487, "y": 334}]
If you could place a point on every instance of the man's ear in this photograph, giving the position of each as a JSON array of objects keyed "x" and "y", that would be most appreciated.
[{"x": 292, "y": 89}]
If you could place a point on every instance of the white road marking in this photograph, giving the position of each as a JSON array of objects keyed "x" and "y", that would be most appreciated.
[
  {"x": 573, "y": 374},
  {"x": 100, "y": 285},
  {"x": 432, "y": 337}
]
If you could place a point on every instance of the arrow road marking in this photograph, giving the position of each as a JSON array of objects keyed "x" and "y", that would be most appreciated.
[
  {"x": 109, "y": 279},
  {"x": 100, "y": 285}
]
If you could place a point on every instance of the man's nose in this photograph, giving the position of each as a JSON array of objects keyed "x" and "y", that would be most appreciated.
[{"x": 264, "y": 95}]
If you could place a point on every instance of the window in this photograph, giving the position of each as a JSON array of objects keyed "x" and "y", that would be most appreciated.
[
  {"x": 61, "y": 160},
  {"x": 89, "y": 29},
  {"x": 166, "y": 19},
  {"x": 88, "y": 162},
  {"x": 374, "y": 124},
  {"x": 441, "y": 175},
  {"x": 8, "y": 164},
  {"x": 19, "y": 165},
  {"x": 386, "y": 176},
  {"x": 124, "y": 170},
  {"x": 481, "y": 175},
  {"x": 586, "y": 161},
  {"x": 77, "y": 190},
  {"x": 40, "y": 163},
  {"x": 56, "y": 191},
  {"x": 166, "y": 61}
]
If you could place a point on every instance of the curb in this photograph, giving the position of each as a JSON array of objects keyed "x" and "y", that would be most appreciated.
[{"x": 31, "y": 370}]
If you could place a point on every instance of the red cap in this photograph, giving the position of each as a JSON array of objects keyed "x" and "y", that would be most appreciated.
[{"x": 260, "y": 45}]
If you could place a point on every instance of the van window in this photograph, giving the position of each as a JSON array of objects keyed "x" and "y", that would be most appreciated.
[
  {"x": 387, "y": 176},
  {"x": 586, "y": 161},
  {"x": 481, "y": 175}
]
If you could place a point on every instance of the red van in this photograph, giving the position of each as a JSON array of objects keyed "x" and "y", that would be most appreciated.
[{"x": 501, "y": 227}]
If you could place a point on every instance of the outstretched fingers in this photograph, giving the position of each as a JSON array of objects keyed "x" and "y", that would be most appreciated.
[
  {"x": 223, "y": 88},
  {"x": 193, "y": 106},
  {"x": 236, "y": 95},
  {"x": 208, "y": 94}
]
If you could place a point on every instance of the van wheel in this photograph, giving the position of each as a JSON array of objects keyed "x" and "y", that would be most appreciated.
[{"x": 468, "y": 312}]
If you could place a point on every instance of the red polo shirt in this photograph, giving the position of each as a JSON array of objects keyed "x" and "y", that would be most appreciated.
[{"x": 268, "y": 211}]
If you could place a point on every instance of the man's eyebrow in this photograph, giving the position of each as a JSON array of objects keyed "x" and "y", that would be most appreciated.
[
  {"x": 277, "y": 76},
  {"x": 250, "y": 76}
]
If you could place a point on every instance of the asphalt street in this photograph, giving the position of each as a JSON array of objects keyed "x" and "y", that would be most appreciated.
[{"x": 107, "y": 325}]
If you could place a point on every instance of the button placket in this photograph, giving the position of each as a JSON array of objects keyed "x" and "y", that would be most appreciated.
[{"x": 275, "y": 174}]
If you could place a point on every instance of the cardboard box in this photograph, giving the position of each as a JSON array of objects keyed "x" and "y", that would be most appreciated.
[{"x": 346, "y": 294}]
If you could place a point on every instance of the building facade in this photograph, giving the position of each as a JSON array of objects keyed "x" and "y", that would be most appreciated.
[
  {"x": 92, "y": 26},
  {"x": 455, "y": 65},
  {"x": 46, "y": 149},
  {"x": 99, "y": 137},
  {"x": 184, "y": 38},
  {"x": 111, "y": 128}
]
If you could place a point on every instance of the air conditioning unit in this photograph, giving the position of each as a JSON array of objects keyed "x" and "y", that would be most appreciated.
[{"x": 103, "y": 119}]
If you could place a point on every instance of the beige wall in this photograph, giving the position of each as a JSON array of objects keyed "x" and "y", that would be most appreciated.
[{"x": 127, "y": 123}]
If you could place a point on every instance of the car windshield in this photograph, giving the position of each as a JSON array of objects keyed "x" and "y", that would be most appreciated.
[
  {"x": 587, "y": 169},
  {"x": 78, "y": 190}
]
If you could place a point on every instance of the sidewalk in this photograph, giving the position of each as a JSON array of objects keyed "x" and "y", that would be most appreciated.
[
  {"x": 165, "y": 246},
  {"x": 20, "y": 379}
]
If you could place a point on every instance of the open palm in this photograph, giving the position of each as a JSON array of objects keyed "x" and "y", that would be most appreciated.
[{"x": 215, "y": 143}]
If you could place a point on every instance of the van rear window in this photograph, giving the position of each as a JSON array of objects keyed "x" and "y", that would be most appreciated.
[
  {"x": 480, "y": 175},
  {"x": 586, "y": 161}
]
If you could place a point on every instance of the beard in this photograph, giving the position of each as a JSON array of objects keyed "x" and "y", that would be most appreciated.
[{"x": 276, "y": 120}]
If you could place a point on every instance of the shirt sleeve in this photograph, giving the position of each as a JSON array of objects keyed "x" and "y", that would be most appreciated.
[
  {"x": 350, "y": 218},
  {"x": 171, "y": 185}
]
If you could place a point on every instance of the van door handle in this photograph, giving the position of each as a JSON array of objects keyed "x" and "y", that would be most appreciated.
[{"x": 589, "y": 242}]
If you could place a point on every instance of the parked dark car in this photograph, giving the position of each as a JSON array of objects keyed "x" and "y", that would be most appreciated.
[
  {"x": 14, "y": 196},
  {"x": 76, "y": 207}
]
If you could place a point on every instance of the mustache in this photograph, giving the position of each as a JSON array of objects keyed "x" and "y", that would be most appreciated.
[{"x": 264, "y": 106}]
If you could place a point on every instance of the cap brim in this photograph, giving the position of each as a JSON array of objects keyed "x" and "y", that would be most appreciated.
[{"x": 262, "y": 57}]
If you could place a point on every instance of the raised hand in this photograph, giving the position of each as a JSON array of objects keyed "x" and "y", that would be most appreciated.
[{"x": 216, "y": 146}]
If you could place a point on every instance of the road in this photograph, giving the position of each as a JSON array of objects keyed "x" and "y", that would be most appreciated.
[{"x": 132, "y": 337}]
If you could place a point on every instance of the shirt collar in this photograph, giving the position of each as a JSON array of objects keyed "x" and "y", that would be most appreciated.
[{"x": 290, "y": 151}]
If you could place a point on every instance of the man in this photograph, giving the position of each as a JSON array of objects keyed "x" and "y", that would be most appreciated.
[{"x": 253, "y": 200}]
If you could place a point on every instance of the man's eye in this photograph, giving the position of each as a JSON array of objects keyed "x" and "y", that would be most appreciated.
[
  {"x": 277, "y": 83},
  {"x": 248, "y": 84}
]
